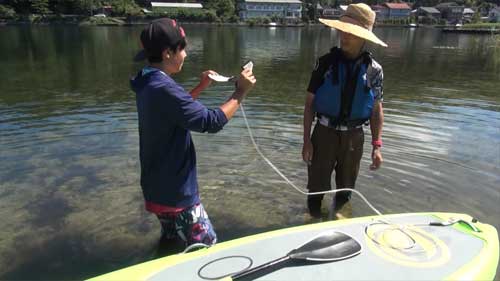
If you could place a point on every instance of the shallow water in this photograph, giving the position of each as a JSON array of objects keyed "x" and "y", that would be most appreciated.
[{"x": 70, "y": 201}]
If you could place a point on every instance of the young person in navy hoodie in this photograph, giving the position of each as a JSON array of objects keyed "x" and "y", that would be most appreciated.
[{"x": 167, "y": 114}]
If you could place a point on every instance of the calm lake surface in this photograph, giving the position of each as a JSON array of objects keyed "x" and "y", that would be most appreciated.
[{"x": 70, "y": 201}]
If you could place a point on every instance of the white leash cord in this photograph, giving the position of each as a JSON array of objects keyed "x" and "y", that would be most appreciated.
[{"x": 291, "y": 183}]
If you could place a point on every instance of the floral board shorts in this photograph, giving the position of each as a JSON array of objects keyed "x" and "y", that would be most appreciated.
[{"x": 192, "y": 225}]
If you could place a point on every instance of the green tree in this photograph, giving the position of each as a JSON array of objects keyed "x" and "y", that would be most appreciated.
[
  {"x": 224, "y": 9},
  {"x": 39, "y": 6},
  {"x": 86, "y": 6},
  {"x": 66, "y": 6},
  {"x": 476, "y": 18},
  {"x": 124, "y": 7},
  {"x": 309, "y": 10},
  {"x": 20, "y": 6},
  {"x": 58, "y": 6},
  {"x": 7, "y": 12},
  {"x": 142, "y": 3}
]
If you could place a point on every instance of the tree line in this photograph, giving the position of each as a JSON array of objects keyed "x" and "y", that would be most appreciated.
[
  {"x": 73, "y": 7},
  {"x": 223, "y": 9}
]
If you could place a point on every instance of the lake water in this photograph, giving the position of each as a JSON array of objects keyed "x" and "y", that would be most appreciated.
[{"x": 70, "y": 200}]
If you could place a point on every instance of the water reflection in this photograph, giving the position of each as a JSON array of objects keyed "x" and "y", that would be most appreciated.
[{"x": 70, "y": 202}]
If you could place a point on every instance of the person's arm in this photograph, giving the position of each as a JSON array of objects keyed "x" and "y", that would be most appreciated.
[
  {"x": 376, "y": 80},
  {"x": 191, "y": 114},
  {"x": 245, "y": 83},
  {"x": 315, "y": 82},
  {"x": 307, "y": 149},
  {"x": 205, "y": 82},
  {"x": 376, "y": 124},
  {"x": 195, "y": 93}
]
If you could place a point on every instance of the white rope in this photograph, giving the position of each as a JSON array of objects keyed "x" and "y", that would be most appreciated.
[
  {"x": 392, "y": 226},
  {"x": 194, "y": 246},
  {"x": 291, "y": 183}
]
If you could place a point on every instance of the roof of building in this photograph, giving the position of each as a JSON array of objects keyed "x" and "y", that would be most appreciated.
[
  {"x": 430, "y": 10},
  {"x": 377, "y": 7},
  {"x": 399, "y": 6},
  {"x": 175, "y": 5},
  {"x": 495, "y": 10},
  {"x": 446, "y": 4},
  {"x": 275, "y": 1},
  {"x": 468, "y": 11}
]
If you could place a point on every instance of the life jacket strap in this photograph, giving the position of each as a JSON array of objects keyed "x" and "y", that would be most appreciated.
[{"x": 336, "y": 122}]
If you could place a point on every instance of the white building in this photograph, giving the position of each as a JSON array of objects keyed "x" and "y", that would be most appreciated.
[
  {"x": 288, "y": 9},
  {"x": 159, "y": 6},
  {"x": 494, "y": 15},
  {"x": 468, "y": 14}
]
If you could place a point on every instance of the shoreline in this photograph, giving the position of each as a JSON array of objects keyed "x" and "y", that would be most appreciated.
[
  {"x": 144, "y": 22},
  {"x": 472, "y": 30},
  {"x": 82, "y": 21},
  {"x": 78, "y": 20}
]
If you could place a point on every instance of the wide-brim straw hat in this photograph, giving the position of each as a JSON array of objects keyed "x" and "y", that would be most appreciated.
[{"x": 358, "y": 20}]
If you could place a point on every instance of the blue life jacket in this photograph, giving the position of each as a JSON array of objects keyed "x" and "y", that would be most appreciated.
[{"x": 344, "y": 96}]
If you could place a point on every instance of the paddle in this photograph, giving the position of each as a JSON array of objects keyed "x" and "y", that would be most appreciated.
[
  {"x": 220, "y": 78},
  {"x": 326, "y": 247}
]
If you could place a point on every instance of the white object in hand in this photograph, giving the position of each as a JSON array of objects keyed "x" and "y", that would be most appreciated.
[
  {"x": 248, "y": 65},
  {"x": 220, "y": 78}
]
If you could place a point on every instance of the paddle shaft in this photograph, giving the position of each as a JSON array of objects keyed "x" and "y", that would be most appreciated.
[{"x": 260, "y": 267}]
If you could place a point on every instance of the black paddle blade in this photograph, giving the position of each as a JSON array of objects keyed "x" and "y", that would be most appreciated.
[{"x": 327, "y": 246}]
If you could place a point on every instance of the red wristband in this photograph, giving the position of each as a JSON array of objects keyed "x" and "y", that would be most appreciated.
[{"x": 377, "y": 143}]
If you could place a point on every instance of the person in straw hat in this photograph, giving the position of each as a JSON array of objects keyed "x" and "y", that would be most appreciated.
[{"x": 344, "y": 92}]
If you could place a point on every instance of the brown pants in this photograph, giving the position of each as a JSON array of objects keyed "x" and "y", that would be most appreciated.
[{"x": 339, "y": 150}]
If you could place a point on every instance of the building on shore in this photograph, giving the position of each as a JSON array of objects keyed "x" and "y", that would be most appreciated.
[
  {"x": 494, "y": 14},
  {"x": 290, "y": 10},
  {"x": 451, "y": 12},
  {"x": 428, "y": 15},
  {"x": 467, "y": 15},
  {"x": 163, "y": 6},
  {"x": 380, "y": 11},
  {"x": 332, "y": 13},
  {"x": 392, "y": 11}
]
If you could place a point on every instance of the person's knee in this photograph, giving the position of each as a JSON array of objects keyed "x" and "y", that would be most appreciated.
[{"x": 202, "y": 232}]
